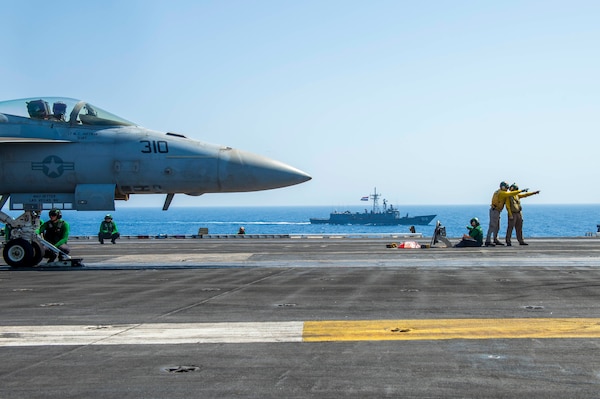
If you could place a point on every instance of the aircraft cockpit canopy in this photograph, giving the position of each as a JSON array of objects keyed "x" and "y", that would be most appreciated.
[{"x": 59, "y": 109}]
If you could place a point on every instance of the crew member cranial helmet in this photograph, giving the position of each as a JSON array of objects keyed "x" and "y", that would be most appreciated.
[
  {"x": 503, "y": 184},
  {"x": 476, "y": 220},
  {"x": 108, "y": 216},
  {"x": 55, "y": 212},
  {"x": 513, "y": 187},
  {"x": 59, "y": 108}
]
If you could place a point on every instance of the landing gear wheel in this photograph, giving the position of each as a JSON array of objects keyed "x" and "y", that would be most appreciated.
[
  {"x": 38, "y": 253},
  {"x": 18, "y": 253}
]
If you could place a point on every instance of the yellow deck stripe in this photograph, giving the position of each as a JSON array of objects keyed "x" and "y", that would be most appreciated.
[
  {"x": 441, "y": 329},
  {"x": 297, "y": 331}
]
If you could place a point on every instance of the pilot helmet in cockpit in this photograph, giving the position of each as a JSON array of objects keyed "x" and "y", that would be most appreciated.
[
  {"x": 59, "y": 109},
  {"x": 38, "y": 109}
]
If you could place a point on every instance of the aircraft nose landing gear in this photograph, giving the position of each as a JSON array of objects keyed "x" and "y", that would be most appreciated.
[
  {"x": 20, "y": 253},
  {"x": 24, "y": 248}
]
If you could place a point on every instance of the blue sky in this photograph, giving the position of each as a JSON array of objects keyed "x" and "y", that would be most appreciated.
[{"x": 432, "y": 102}]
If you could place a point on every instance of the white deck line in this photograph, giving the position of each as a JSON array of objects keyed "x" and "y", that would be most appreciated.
[{"x": 151, "y": 334}]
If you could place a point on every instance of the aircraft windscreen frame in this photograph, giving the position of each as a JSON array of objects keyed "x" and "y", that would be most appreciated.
[{"x": 61, "y": 109}]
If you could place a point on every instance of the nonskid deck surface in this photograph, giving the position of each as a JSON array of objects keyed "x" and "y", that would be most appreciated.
[
  {"x": 332, "y": 251},
  {"x": 320, "y": 317}
]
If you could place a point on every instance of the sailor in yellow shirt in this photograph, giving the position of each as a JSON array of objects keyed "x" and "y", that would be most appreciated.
[
  {"x": 515, "y": 216},
  {"x": 498, "y": 200}
]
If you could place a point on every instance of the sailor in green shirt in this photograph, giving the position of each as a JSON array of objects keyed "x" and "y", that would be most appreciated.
[
  {"x": 56, "y": 232},
  {"x": 108, "y": 229},
  {"x": 475, "y": 236}
]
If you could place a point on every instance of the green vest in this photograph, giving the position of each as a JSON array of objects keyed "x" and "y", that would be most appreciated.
[{"x": 54, "y": 232}]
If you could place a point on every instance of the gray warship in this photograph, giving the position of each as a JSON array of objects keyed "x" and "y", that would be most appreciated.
[{"x": 388, "y": 216}]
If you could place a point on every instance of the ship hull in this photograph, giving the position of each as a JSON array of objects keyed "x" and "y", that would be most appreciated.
[{"x": 374, "y": 219}]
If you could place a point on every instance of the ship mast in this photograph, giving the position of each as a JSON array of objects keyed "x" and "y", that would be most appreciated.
[{"x": 375, "y": 198}]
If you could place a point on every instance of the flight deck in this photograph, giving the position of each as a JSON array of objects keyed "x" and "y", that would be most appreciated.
[{"x": 304, "y": 317}]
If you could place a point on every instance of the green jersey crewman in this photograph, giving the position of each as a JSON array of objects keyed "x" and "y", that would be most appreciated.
[
  {"x": 108, "y": 229},
  {"x": 56, "y": 232},
  {"x": 475, "y": 236}
]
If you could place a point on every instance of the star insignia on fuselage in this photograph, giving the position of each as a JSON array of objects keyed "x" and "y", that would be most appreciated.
[{"x": 53, "y": 166}]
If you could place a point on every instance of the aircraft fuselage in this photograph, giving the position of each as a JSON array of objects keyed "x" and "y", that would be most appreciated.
[
  {"x": 80, "y": 157},
  {"x": 89, "y": 153}
]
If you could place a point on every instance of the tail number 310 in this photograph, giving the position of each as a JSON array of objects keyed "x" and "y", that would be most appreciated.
[{"x": 154, "y": 146}]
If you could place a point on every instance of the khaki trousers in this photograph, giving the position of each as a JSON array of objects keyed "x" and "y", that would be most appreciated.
[{"x": 515, "y": 222}]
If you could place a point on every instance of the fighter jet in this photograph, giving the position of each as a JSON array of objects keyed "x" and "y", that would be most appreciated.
[{"x": 68, "y": 154}]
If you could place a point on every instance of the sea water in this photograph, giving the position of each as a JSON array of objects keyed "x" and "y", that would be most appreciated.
[{"x": 539, "y": 220}]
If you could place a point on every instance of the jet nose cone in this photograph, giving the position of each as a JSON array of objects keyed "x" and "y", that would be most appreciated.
[{"x": 245, "y": 171}]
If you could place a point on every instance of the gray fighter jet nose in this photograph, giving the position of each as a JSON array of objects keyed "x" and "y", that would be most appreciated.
[{"x": 245, "y": 171}]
